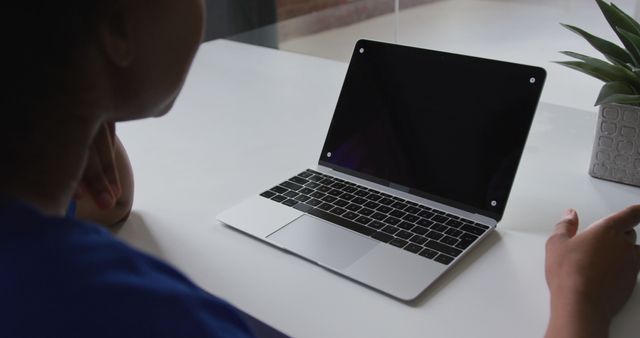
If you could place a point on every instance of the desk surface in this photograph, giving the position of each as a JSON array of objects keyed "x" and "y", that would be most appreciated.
[{"x": 250, "y": 116}]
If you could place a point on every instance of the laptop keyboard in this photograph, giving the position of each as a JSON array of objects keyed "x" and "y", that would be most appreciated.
[{"x": 430, "y": 233}]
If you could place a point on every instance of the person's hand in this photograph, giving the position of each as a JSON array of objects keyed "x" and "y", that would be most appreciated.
[
  {"x": 100, "y": 180},
  {"x": 591, "y": 274}
]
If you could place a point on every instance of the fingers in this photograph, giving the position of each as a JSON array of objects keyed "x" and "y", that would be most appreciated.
[
  {"x": 96, "y": 184},
  {"x": 104, "y": 146},
  {"x": 623, "y": 220},
  {"x": 565, "y": 229},
  {"x": 568, "y": 225}
]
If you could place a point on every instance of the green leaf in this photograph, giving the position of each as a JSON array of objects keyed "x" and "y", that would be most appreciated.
[
  {"x": 633, "y": 39},
  {"x": 613, "y": 90},
  {"x": 618, "y": 20},
  {"x": 631, "y": 20},
  {"x": 608, "y": 72},
  {"x": 611, "y": 51},
  {"x": 587, "y": 69}
]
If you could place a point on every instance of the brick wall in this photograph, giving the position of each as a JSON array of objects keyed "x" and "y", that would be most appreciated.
[{"x": 288, "y": 9}]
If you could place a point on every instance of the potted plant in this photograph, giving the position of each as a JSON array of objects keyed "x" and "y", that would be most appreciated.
[{"x": 616, "y": 150}]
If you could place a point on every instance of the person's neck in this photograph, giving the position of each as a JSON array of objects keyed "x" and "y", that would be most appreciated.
[{"x": 48, "y": 163}]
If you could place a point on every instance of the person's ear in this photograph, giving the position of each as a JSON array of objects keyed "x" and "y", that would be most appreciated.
[{"x": 116, "y": 35}]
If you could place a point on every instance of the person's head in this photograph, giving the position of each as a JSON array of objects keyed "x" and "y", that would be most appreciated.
[{"x": 116, "y": 59}]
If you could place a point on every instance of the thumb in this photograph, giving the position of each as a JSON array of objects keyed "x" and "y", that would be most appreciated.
[{"x": 568, "y": 225}]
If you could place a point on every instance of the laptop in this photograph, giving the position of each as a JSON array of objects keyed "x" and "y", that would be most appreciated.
[{"x": 415, "y": 171}]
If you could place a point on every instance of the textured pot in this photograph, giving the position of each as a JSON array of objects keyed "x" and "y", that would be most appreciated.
[{"x": 616, "y": 150}]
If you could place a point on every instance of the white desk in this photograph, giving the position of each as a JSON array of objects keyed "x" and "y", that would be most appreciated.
[{"x": 249, "y": 117}]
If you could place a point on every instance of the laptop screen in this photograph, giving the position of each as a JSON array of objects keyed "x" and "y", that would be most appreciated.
[{"x": 446, "y": 127}]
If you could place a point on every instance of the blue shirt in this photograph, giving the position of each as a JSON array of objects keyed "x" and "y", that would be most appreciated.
[{"x": 60, "y": 277}]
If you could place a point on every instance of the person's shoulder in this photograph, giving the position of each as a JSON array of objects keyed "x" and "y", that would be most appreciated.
[{"x": 76, "y": 279}]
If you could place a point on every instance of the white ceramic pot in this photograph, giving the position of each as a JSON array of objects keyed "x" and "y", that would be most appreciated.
[{"x": 616, "y": 149}]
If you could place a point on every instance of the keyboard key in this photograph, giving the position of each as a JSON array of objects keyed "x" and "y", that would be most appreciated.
[
  {"x": 359, "y": 200},
  {"x": 424, "y": 223},
  {"x": 337, "y": 211},
  {"x": 353, "y": 207},
  {"x": 428, "y": 253},
  {"x": 468, "y": 236},
  {"x": 413, "y": 248},
  {"x": 291, "y": 194},
  {"x": 376, "y": 224},
  {"x": 439, "y": 227},
  {"x": 268, "y": 194},
  {"x": 291, "y": 185},
  {"x": 385, "y": 201},
  {"x": 290, "y": 202},
  {"x": 312, "y": 185},
  {"x": 302, "y": 198},
  {"x": 350, "y": 215},
  {"x": 279, "y": 190},
  {"x": 390, "y": 229},
  {"x": 317, "y": 195},
  {"x": 363, "y": 220},
  {"x": 323, "y": 188},
  {"x": 314, "y": 202},
  {"x": 371, "y": 197},
  {"x": 452, "y": 216},
  {"x": 382, "y": 237},
  {"x": 400, "y": 243},
  {"x": 419, "y": 230},
  {"x": 435, "y": 235},
  {"x": 329, "y": 199},
  {"x": 279, "y": 198},
  {"x": 413, "y": 204},
  {"x": 418, "y": 239},
  {"x": 391, "y": 220},
  {"x": 397, "y": 213},
  {"x": 347, "y": 196},
  {"x": 410, "y": 218},
  {"x": 481, "y": 226},
  {"x": 439, "y": 218},
  {"x": 412, "y": 209},
  {"x": 443, "y": 248},
  {"x": 349, "y": 189},
  {"x": 399, "y": 205},
  {"x": 341, "y": 203},
  {"x": 448, "y": 240},
  {"x": 306, "y": 191},
  {"x": 325, "y": 206},
  {"x": 363, "y": 193},
  {"x": 379, "y": 216},
  {"x": 326, "y": 181},
  {"x": 299, "y": 180},
  {"x": 472, "y": 229},
  {"x": 453, "y": 232},
  {"x": 383, "y": 208},
  {"x": 342, "y": 222},
  {"x": 338, "y": 185},
  {"x": 365, "y": 212},
  {"x": 335, "y": 192},
  {"x": 397, "y": 199},
  {"x": 404, "y": 234},
  {"x": 406, "y": 225},
  {"x": 426, "y": 214},
  {"x": 444, "y": 259},
  {"x": 454, "y": 223},
  {"x": 315, "y": 178},
  {"x": 438, "y": 212},
  {"x": 371, "y": 205}
]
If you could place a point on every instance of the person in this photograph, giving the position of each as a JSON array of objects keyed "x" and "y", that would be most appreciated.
[
  {"x": 591, "y": 274},
  {"x": 76, "y": 67}
]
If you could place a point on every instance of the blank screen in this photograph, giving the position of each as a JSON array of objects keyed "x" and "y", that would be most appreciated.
[{"x": 448, "y": 127}]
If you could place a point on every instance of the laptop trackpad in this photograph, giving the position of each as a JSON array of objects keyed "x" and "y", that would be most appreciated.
[{"x": 322, "y": 242}]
